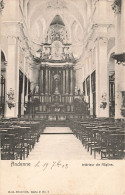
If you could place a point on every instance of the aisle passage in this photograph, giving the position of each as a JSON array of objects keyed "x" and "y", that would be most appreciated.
[{"x": 59, "y": 144}]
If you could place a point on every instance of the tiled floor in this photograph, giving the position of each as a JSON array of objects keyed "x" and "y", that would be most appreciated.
[{"x": 59, "y": 146}]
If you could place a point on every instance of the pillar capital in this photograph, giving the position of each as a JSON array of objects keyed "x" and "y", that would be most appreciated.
[
  {"x": 12, "y": 39},
  {"x": 103, "y": 38}
]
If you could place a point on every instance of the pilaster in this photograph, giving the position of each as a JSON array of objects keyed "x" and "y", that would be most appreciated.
[
  {"x": 102, "y": 80},
  {"x": 1, "y": 8},
  {"x": 12, "y": 76}
]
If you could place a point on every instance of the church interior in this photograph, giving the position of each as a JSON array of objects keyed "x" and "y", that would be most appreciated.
[{"x": 62, "y": 89}]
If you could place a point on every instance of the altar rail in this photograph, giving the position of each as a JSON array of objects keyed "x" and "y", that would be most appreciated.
[{"x": 56, "y": 107}]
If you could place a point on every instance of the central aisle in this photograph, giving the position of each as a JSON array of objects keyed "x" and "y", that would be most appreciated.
[{"x": 59, "y": 143}]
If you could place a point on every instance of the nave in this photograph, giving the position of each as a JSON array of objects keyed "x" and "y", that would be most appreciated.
[{"x": 59, "y": 143}]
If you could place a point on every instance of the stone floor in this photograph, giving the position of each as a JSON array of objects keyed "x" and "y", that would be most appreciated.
[{"x": 58, "y": 143}]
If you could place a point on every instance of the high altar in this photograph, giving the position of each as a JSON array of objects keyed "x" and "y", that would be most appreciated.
[{"x": 54, "y": 94}]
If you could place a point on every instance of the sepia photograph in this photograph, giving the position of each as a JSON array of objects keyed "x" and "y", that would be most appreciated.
[{"x": 62, "y": 88}]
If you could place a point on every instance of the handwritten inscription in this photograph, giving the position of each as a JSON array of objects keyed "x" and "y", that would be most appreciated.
[{"x": 51, "y": 166}]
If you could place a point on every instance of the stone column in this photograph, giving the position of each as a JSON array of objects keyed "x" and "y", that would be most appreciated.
[
  {"x": 1, "y": 8},
  {"x": 86, "y": 99},
  {"x": 67, "y": 81},
  {"x": 102, "y": 78},
  {"x": 41, "y": 81},
  {"x": 25, "y": 8},
  {"x": 47, "y": 82},
  {"x": 26, "y": 97},
  {"x": 12, "y": 75},
  {"x": 123, "y": 25},
  {"x": 91, "y": 95},
  {"x": 0, "y": 54},
  {"x": 51, "y": 82},
  {"x": 91, "y": 98},
  {"x": 119, "y": 87},
  {"x": 23, "y": 87},
  {"x": 119, "y": 68},
  {"x": 71, "y": 81},
  {"x": 64, "y": 81},
  {"x": 22, "y": 96},
  {"x": 61, "y": 77}
]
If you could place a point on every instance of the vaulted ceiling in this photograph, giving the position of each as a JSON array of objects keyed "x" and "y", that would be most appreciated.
[{"x": 73, "y": 13}]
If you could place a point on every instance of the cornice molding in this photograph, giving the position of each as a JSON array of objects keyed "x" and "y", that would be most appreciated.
[
  {"x": 56, "y": 64},
  {"x": 94, "y": 33}
]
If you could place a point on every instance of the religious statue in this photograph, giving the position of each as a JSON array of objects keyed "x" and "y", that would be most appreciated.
[
  {"x": 56, "y": 78},
  {"x": 36, "y": 89}
]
